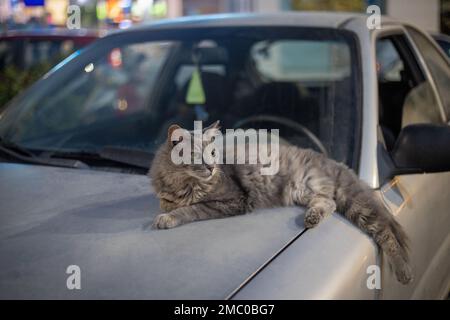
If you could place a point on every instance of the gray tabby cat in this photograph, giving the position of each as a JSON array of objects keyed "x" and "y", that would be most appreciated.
[{"x": 305, "y": 178}]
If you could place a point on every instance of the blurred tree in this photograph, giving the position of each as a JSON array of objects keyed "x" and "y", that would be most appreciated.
[
  {"x": 15, "y": 80},
  {"x": 329, "y": 5},
  {"x": 89, "y": 15}
]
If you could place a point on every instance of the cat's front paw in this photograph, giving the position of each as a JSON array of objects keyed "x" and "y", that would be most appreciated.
[
  {"x": 312, "y": 217},
  {"x": 166, "y": 221}
]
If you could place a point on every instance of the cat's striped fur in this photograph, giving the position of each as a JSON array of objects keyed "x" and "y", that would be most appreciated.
[{"x": 305, "y": 178}]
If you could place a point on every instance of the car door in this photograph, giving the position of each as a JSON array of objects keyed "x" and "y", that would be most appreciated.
[{"x": 409, "y": 94}]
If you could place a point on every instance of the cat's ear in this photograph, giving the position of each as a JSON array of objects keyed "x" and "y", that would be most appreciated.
[
  {"x": 211, "y": 131},
  {"x": 170, "y": 137},
  {"x": 214, "y": 125}
]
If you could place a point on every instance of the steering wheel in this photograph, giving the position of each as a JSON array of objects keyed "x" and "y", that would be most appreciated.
[{"x": 287, "y": 123}]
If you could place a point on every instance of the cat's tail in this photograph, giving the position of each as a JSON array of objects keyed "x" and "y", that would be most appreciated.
[{"x": 361, "y": 206}]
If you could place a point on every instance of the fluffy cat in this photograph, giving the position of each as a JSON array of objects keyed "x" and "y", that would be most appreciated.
[{"x": 191, "y": 192}]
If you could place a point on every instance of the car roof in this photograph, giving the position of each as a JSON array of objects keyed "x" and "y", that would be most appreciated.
[
  {"x": 305, "y": 19},
  {"x": 324, "y": 19}
]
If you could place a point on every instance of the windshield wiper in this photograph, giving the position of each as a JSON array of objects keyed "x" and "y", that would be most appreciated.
[
  {"x": 116, "y": 155},
  {"x": 22, "y": 154},
  {"x": 12, "y": 146},
  {"x": 136, "y": 159}
]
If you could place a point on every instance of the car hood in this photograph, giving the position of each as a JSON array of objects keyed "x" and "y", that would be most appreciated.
[{"x": 52, "y": 218}]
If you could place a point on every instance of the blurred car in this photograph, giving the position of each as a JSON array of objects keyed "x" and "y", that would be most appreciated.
[
  {"x": 443, "y": 41},
  {"x": 24, "y": 49},
  {"x": 76, "y": 146},
  {"x": 26, "y": 55}
]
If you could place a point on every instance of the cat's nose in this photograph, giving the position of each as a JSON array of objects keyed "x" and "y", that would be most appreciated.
[{"x": 210, "y": 167}]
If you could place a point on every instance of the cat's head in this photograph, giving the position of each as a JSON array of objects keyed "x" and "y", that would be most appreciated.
[{"x": 180, "y": 174}]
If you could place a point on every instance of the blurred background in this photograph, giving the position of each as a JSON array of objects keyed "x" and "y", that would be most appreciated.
[
  {"x": 432, "y": 15},
  {"x": 34, "y": 34}
]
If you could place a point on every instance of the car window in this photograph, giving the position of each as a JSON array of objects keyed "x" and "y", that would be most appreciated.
[
  {"x": 389, "y": 64},
  {"x": 6, "y": 54},
  {"x": 321, "y": 61},
  {"x": 405, "y": 96},
  {"x": 437, "y": 64},
  {"x": 41, "y": 51},
  {"x": 27, "y": 53},
  {"x": 445, "y": 45}
]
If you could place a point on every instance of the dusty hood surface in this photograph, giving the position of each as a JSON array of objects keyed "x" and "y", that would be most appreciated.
[{"x": 51, "y": 218}]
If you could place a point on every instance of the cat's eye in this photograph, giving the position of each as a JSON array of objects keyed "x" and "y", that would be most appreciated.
[{"x": 213, "y": 153}]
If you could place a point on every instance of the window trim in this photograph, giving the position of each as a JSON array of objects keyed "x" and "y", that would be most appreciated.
[
  {"x": 401, "y": 30},
  {"x": 433, "y": 43},
  {"x": 425, "y": 68}
]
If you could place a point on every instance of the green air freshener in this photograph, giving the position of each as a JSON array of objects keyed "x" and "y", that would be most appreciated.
[{"x": 195, "y": 93}]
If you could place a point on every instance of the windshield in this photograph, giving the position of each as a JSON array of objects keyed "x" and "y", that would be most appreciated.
[{"x": 127, "y": 89}]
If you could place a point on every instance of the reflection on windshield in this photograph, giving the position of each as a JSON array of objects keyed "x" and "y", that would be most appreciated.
[{"x": 127, "y": 95}]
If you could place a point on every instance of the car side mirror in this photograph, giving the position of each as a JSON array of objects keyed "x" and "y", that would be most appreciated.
[{"x": 422, "y": 148}]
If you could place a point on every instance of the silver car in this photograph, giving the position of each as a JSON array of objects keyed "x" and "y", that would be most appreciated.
[{"x": 76, "y": 206}]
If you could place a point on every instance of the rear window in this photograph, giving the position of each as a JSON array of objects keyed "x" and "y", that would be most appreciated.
[{"x": 287, "y": 60}]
